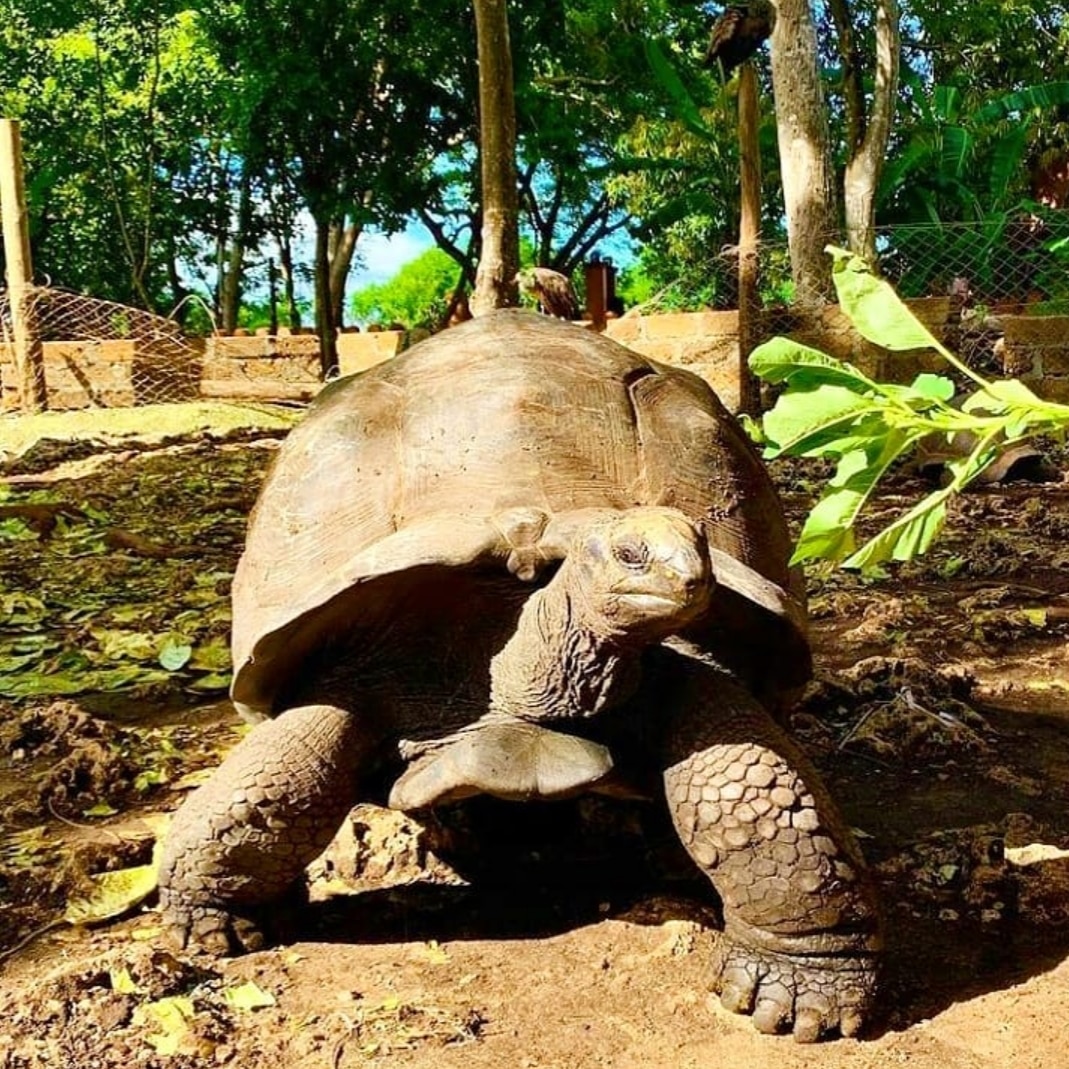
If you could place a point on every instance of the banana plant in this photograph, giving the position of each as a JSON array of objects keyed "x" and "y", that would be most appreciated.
[{"x": 831, "y": 409}]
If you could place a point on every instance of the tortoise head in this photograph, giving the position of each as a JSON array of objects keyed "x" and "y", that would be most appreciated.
[{"x": 643, "y": 573}]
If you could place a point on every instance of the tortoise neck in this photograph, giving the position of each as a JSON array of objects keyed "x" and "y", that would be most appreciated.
[{"x": 559, "y": 664}]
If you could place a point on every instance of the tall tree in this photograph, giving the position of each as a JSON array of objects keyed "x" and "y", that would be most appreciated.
[
  {"x": 804, "y": 149},
  {"x": 499, "y": 257},
  {"x": 868, "y": 130},
  {"x": 348, "y": 99}
]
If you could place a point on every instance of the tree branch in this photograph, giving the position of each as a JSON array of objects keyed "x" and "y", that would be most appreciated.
[{"x": 853, "y": 90}]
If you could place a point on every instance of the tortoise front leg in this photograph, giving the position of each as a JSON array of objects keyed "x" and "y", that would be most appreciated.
[
  {"x": 802, "y": 928},
  {"x": 242, "y": 840}
]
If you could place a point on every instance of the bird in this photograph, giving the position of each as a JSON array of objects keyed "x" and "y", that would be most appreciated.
[
  {"x": 553, "y": 291},
  {"x": 738, "y": 33}
]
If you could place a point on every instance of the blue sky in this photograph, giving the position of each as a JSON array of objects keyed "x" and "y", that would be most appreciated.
[{"x": 381, "y": 256}]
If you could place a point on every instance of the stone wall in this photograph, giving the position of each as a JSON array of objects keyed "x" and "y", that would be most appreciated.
[
  {"x": 1036, "y": 350},
  {"x": 286, "y": 367},
  {"x": 118, "y": 373},
  {"x": 708, "y": 342}
]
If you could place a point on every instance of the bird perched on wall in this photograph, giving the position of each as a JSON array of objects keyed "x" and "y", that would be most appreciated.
[
  {"x": 738, "y": 33},
  {"x": 553, "y": 291}
]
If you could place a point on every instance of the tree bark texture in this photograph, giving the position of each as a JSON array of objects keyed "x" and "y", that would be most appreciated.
[
  {"x": 804, "y": 150},
  {"x": 749, "y": 235},
  {"x": 234, "y": 263},
  {"x": 324, "y": 308},
  {"x": 865, "y": 162},
  {"x": 29, "y": 354},
  {"x": 499, "y": 261}
]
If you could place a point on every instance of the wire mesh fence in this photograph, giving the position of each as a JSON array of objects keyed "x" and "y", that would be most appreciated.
[
  {"x": 1017, "y": 261},
  {"x": 1011, "y": 262},
  {"x": 101, "y": 353}
]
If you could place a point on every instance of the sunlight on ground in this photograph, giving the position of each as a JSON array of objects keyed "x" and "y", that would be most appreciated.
[{"x": 145, "y": 423}]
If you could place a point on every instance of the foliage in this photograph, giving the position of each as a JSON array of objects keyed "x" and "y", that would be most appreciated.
[
  {"x": 831, "y": 409},
  {"x": 129, "y": 591},
  {"x": 114, "y": 100},
  {"x": 170, "y": 144},
  {"x": 417, "y": 296}
]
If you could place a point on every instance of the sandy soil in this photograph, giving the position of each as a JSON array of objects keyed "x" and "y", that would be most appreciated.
[{"x": 939, "y": 718}]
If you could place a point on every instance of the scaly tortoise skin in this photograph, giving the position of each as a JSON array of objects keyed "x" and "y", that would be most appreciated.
[{"x": 495, "y": 564}]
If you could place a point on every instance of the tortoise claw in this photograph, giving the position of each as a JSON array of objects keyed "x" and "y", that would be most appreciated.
[
  {"x": 212, "y": 930},
  {"x": 807, "y": 995}
]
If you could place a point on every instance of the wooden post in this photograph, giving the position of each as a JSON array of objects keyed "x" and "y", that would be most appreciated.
[
  {"x": 749, "y": 235},
  {"x": 29, "y": 357},
  {"x": 596, "y": 283}
]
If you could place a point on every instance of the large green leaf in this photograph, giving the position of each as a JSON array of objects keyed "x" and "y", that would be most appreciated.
[
  {"x": 874, "y": 308},
  {"x": 828, "y": 532},
  {"x": 1043, "y": 97},
  {"x": 785, "y": 360},
  {"x": 809, "y": 421}
]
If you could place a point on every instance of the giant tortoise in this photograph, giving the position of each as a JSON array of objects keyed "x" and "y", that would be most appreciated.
[{"x": 506, "y": 563}]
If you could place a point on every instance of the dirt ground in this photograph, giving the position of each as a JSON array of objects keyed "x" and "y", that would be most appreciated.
[{"x": 939, "y": 717}]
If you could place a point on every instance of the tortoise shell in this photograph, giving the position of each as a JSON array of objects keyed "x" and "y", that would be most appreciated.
[{"x": 455, "y": 452}]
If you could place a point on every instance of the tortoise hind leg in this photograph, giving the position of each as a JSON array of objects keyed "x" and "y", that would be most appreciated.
[
  {"x": 241, "y": 841},
  {"x": 802, "y": 930}
]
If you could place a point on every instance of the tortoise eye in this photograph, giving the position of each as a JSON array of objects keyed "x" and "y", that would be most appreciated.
[{"x": 631, "y": 554}]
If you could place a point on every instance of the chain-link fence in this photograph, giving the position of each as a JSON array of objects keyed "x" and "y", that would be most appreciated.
[
  {"x": 101, "y": 353},
  {"x": 1017, "y": 262},
  {"x": 1012, "y": 263}
]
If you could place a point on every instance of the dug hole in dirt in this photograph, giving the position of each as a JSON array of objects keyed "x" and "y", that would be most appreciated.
[{"x": 583, "y": 937}]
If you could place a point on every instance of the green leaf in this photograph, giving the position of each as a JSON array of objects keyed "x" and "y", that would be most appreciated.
[
  {"x": 133, "y": 645},
  {"x": 1001, "y": 395},
  {"x": 874, "y": 308},
  {"x": 122, "y": 982},
  {"x": 76, "y": 681},
  {"x": 907, "y": 537},
  {"x": 175, "y": 652},
  {"x": 810, "y": 421},
  {"x": 937, "y": 387},
  {"x": 171, "y": 1016},
  {"x": 15, "y": 530},
  {"x": 828, "y": 532},
  {"x": 212, "y": 681},
  {"x": 784, "y": 360},
  {"x": 211, "y": 656},
  {"x": 113, "y": 894}
]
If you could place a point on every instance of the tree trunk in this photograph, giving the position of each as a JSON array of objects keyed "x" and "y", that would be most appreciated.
[
  {"x": 343, "y": 239},
  {"x": 865, "y": 163},
  {"x": 500, "y": 258},
  {"x": 324, "y": 310},
  {"x": 804, "y": 150},
  {"x": 234, "y": 264},
  {"x": 28, "y": 352},
  {"x": 749, "y": 234},
  {"x": 289, "y": 292}
]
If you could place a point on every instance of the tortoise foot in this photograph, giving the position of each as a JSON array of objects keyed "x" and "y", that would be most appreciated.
[
  {"x": 225, "y": 931},
  {"x": 811, "y": 996},
  {"x": 211, "y": 929}
]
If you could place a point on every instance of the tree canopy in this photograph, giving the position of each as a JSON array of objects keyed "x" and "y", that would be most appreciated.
[{"x": 187, "y": 147}]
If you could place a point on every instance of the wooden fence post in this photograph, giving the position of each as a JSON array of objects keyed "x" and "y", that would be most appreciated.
[{"x": 29, "y": 356}]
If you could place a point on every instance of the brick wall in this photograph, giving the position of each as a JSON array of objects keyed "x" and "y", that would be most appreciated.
[
  {"x": 708, "y": 342},
  {"x": 1036, "y": 350},
  {"x": 286, "y": 367},
  {"x": 116, "y": 374}
]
